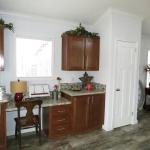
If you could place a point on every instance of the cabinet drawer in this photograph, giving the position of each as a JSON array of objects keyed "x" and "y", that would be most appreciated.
[
  {"x": 60, "y": 110},
  {"x": 58, "y": 120},
  {"x": 60, "y": 130}
]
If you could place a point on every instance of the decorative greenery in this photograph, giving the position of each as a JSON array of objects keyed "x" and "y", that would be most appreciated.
[
  {"x": 9, "y": 26},
  {"x": 81, "y": 31}
]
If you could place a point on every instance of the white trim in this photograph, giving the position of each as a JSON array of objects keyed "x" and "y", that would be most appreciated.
[
  {"x": 134, "y": 122},
  {"x": 38, "y": 18},
  {"x": 52, "y": 59},
  {"x": 111, "y": 11},
  {"x": 104, "y": 127},
  {"x": 134, "y": 102},
  {"x": 138, "y": 17}
]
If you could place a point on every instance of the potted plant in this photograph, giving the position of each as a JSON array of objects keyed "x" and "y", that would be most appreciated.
[{"x": 8, "y": 26}]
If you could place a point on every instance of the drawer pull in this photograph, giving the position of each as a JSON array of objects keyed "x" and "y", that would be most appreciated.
[
  {"x": 61, "y": 111},
  {"x": 61, "y": 120},
  {"x": 60, "y": 129}
]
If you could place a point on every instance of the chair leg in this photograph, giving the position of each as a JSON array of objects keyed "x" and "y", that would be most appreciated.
[
  {"x": 19, "y": 138},
  {"x": 40, "y": 134},
  {"x": 16, "y": 131},
  {"x": 36, "y": 128}
]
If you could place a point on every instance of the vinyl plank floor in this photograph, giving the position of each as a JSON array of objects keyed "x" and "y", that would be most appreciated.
[{"x": 132, "y": 137}]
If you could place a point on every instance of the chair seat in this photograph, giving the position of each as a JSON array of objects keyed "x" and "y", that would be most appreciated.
[{"x": 24, "y": 122}]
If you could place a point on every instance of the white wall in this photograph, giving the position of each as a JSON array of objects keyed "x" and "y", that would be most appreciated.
[
  {"x": 104, "y": 27},
  {"x": 111, "y": 26},
  {"x": 41, "y": 28},
  {"x": 34, "y": 27},
  {"x": 115, "y": 25}
]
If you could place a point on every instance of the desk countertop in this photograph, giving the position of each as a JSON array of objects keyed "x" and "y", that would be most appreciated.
[{"x": 46, "y": 102}]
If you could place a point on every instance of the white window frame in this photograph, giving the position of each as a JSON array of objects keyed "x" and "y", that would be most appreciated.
[{"x": 52, "y": 59}]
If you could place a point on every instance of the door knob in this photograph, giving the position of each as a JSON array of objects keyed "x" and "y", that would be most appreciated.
[{"x": 117, "y": 89}]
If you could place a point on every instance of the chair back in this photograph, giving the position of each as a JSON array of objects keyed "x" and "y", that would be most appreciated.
[{"x": 29, "y": 106}]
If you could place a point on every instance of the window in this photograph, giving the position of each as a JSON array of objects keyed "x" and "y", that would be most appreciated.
[{"x": 33, "y": 57}]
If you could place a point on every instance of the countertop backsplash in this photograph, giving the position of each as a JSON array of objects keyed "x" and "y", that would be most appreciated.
[{"x": 67, "y": 86}]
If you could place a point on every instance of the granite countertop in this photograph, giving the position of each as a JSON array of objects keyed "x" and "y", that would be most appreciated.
[
  {"x": 3, "y": 101},
  {"x": 47, "y": 101},
  {"x": 83, "y": 92}
]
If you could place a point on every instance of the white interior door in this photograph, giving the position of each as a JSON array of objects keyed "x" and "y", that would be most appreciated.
[{"x": 124, "y": 82}]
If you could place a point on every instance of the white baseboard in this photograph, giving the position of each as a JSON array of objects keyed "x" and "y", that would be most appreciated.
[
  {"x": 134, "y": 122},
  {"x": 107, "y": 128}
]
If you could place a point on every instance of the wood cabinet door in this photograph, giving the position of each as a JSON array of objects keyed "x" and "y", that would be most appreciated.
[
  {"x": 96, "y": 111},
  {"x": 73, "y": 52},
  {"x": 92, "y": 53},
  {"x": 80, "y": 114},
  {"x": 1, "y": 48},
  {"x": 2, "y": 127}
]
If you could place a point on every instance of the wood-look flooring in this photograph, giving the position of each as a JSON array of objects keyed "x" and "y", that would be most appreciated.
[{"x": 132, "y": 137}]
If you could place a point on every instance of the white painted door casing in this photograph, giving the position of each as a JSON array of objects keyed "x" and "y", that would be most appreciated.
[{"x": 125, "y": 66}]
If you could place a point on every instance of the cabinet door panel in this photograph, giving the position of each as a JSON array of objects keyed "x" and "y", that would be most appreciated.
[
  {"x": 1, "y": 48},
  {"x": 92, "y": 54},
  {"x": 76, "y": 53},
  {"x": 80, "y": 113},
  {"x": 96, "y": 112}
]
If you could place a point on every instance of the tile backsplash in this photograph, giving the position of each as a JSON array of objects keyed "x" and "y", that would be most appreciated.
[{"x": 68, "y": 86}]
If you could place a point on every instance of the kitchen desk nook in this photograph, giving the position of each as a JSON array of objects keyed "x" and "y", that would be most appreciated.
[
  {"x": 9, "y": 106},
  {"x": 73, "y": 113}
]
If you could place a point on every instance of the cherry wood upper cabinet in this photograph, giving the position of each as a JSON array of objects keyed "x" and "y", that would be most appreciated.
[
  {"x": 72, "y": 53},
  {"x": 1, "y": 48},
  {"x": 91, "y": 53},
  {"x": 80, "y": 53}
]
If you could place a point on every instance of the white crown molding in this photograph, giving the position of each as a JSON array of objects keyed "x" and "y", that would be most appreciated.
[
  {"x": 37, "y": 18},
  {"x": 117, "y": 11},
  {"x": 107, "y": 12},
  {"x": 111, "y": 11}
]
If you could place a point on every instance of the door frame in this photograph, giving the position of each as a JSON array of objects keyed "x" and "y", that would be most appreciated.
[{"x": 135, "y": 86}]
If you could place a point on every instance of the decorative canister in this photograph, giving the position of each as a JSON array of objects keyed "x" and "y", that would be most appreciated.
[{"x": 55, "y": 95}]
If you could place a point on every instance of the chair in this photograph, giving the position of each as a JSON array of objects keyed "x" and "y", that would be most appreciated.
[{"x": 30, "y": 120}]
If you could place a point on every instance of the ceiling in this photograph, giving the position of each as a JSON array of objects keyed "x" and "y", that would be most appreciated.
[{"x": 86, "y": 11}]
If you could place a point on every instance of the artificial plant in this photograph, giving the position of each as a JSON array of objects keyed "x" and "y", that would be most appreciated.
[
  {"x": 8, "y": 26},
  {"x": 81, "y": 31}
]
